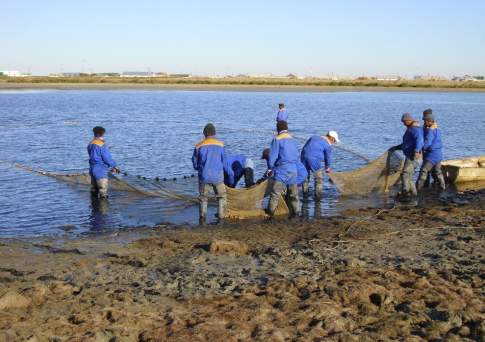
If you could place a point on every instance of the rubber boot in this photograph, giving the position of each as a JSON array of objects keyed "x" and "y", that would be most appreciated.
[{"x": 221, "y": 210}]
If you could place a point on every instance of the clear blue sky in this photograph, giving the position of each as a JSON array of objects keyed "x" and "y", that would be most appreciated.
[{"x": 348, "y": 37}]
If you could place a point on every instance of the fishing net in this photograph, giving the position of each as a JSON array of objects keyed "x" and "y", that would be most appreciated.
[
  {"x": 242, "y": 203},
  {"x": 377, "y": 176},
  {"x": 248, "y": 202}
]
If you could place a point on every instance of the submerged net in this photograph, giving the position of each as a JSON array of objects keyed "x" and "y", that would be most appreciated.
[
  {"x": 242, "y": 203},
  {"x": 377, "y": 176}
]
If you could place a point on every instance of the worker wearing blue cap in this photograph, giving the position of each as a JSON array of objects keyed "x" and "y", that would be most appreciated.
[
  {"x": 432, "y": 152},
  {"x": 411, "y": 146}
]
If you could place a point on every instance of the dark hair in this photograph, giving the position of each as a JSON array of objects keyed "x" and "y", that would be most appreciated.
[
  {"x": 265, "y": 154},
  {"x": 99, "y": 131},
  {"x": 428, "y": 111},
  {"x": 209, "y": 130},
  {"x": 281, "y": 105},
  {"x": 281, "y": 126}
]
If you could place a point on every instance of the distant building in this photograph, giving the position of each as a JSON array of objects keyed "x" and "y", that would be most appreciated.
[
  {"x": 70, "y": 74},
  {"x": 179, "y": 75},
  {"x": 389, "y": 78},
  {"x": 137, "y": 74},
  {"x": 107, "y": 74},
  {"x": 429, "y": 78},
  {"x": 11, "y": 73}
]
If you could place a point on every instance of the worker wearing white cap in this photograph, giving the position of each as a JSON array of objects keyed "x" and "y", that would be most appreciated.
[{"x": 318, "y": 150}]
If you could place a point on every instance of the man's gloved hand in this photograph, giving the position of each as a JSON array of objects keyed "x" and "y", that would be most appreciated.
[
  {"x": 115, "y": 170},
  {"x": 268, "y": 173}
]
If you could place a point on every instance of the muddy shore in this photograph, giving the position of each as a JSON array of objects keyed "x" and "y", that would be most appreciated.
[{"x": 406, "y": 273}]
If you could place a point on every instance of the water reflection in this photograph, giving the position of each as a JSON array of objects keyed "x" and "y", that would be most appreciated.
[{"x": 99, "y": 218}]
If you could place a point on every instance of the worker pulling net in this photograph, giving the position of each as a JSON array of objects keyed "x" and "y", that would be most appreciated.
[
  {"x": 377, "y": 176},
  {"x": 242, "y": 203}
]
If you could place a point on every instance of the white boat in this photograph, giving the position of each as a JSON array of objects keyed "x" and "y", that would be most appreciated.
[{"x": 470, "y": 169}]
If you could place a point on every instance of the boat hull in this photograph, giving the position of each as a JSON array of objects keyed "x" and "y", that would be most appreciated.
[{"x": 464, "y": 170}]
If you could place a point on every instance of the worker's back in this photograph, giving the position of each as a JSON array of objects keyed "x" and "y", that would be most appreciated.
[
  {"x": 316, "y": 149},
  {"x": 208, "y": 160}
]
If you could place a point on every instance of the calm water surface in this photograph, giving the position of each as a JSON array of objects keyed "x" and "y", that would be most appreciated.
[{"x": 152, "y": 133}]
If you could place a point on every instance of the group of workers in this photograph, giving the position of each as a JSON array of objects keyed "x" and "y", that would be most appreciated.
[
  {"x": 420, "y": 143},
  {"x": 287, "y": 168}
]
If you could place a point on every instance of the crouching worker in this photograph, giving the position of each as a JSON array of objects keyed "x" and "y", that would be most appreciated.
[
  {"x": 208, "y": 160},
  {"x": 282, "y": 161},
  {"x": 318, "y": 150},
  {"x": 432, "y": 153},
  {"x": 100, "y": 162},
  {"x": 235, "y": 167},
  {"x": 411, "y": 146}
]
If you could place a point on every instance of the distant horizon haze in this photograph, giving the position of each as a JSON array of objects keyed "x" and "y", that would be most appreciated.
[{"x": 308, "y": 38}]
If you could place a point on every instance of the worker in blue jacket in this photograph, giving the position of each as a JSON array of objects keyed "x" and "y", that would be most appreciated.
[
  {"x": 411, "y": 146},
  {"x": 432, "y": 153},
  {"x": 282, "y": 115},
  {"x": 208, "y": 159},
  {"x": 316, "y": 152},
  {"x": 282, "y": 161},
  {"x": 301, "y": 171},
  {"x": 100, "y": 163},
  {"x": 235, "y": 167}
]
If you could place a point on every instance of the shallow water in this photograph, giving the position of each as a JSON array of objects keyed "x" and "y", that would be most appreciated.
[{"x": 152, "y": 133}]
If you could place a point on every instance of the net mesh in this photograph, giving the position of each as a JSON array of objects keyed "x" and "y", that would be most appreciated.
[
  {"x": 377, "y": 176},
  {"x": 244, "y": 203}
]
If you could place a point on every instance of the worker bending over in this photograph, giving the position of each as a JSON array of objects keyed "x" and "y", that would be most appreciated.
[
  {"x": 100, "y": 162},
  {"x": 432, "y": 152},
  {"x": 318, "y": 150},
  {"x": 235, "y": 167},
  {"x": 301, "y": 171},
  {"x": 411, "y": 146},
  {"x": 208, "y": 160},
  {"x": 282, "y": 161}
]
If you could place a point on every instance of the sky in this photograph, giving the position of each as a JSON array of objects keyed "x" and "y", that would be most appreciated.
[{"x": 220, "y": 37}]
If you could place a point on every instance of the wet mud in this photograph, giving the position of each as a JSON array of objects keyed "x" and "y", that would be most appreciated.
[{"x": 402, "y": 273}]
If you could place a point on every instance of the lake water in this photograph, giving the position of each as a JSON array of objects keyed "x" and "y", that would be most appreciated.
[{"x": 152, "y": 133}]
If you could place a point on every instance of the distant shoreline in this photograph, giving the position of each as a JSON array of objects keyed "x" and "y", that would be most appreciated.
[
  {"x": 236, "y": 85},
  {"x": 228, "y": 87}
]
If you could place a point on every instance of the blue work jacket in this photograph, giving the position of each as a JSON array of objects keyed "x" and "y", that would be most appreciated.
[
  {"x": 100, "y": 160},
  {"x": 208, "y": 160},
  {"x": 283, "y": 158},
  {"x": 316, "y": 150}
]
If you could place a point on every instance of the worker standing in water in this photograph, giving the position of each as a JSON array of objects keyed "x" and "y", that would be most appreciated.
[
  {"x": 235, "y": 167},
  {"x": 282, "y": 161},
  {"x": 317, "y": 151},
  {"x": 301, "y": 171},
  {"x": 100, "y": 162},
  {"x": 432, "y": 152},
  {"x": 411, "y": 146},
  {"x": 208, "y": 159},
  {"x": 282, "y": 115}
]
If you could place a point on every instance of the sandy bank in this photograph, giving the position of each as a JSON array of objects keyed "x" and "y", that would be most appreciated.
[
  {"x": 225, "y": 87},
  {"x": 404, "y": 273}
]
